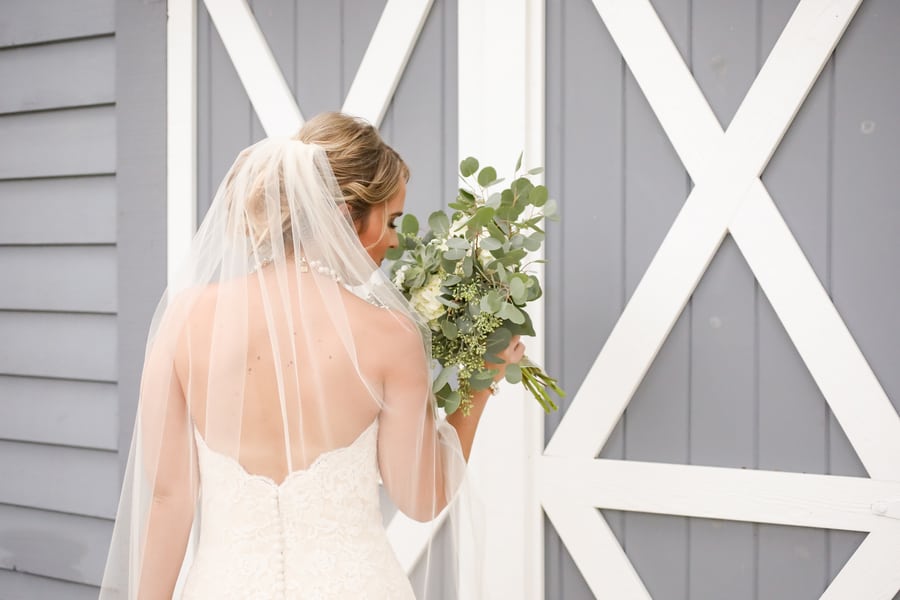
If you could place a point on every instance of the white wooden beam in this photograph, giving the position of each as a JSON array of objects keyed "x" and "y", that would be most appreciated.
[
  {"x": 256, "y": 66},
  {"x": 385, "y": 59},
  {"x": 181, "y": 132},
  {"x": 873, "y": 571},
  {"x": 800, "y": 499},
  {"x": 501, "y": 57}
]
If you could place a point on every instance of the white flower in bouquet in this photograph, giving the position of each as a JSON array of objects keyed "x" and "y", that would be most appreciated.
[
  {"x": 425, "y": 301},
  {"x": 400, "y": 276}
]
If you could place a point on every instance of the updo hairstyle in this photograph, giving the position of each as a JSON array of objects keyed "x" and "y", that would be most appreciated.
[{"x": 367, "y": 170}]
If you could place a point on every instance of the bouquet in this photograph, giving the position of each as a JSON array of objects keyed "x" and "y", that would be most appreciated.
[{"x": 468, "y": 277}]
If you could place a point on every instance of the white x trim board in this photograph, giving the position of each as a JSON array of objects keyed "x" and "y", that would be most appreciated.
[{"x": 728, "y": 197}]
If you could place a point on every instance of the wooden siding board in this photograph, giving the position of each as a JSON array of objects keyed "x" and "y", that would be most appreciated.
[
  {"x": 140, "y": 215},
  {"x": 865, "y": 215},
  {"x": 585, "y": 273},
  {"x": 793, "y": 414},
  {"x": 556, "y": 558},
  {"x": 24, "y": 586},
  {"x": 450, "y": 115},
  {"x": 74, "y": 73},
  {"x": 79, "y": 141},
  {"x": 317, "y": 83},
  {"x": 228, "y": 129},
  {"x": 418, "y": 131},
  {"x": 277, "y": 21},
  {"x": 58, "y": 278},
  {"x": 58, "y": 545},
  {"x": 358, "y": 21},
  {"x": 61, "y": 345},
  {"x": 74, "y": 413},
  {"x": 67, "y": 210},
  {"x": 30, "y": 22},
  {"x": 723, "y": 324},
  {"x": 70, "y": 480},
  {"x": 656, "y": 426}
]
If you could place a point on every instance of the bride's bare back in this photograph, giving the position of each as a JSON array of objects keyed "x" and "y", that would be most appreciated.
[{"x": 329, "y": 375}]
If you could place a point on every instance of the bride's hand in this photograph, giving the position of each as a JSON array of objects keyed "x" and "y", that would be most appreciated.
[{"x": 512, "y": 354}]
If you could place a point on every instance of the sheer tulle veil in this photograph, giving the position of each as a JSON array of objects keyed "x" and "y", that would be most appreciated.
[{"x": 275, "y": 338}]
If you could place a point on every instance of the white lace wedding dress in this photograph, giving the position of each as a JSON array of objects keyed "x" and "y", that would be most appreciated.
[{"x": 316, "y": 535}]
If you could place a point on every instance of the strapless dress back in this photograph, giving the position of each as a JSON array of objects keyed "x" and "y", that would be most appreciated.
[{"x": 318, "y": 534}]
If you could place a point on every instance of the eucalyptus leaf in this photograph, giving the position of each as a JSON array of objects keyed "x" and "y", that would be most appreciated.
[
  {"x": 517, "y": 290},
  {"x": 535, "y": 171},
  {"x": 491, "y": 243},
  {"x": 487, "y": 176},
  {"x": 509, "y": 311},
  {"x": 394, "y": 253},
  {"x": 550, "y": 208},
  {"x": 468, "y": 166},
  {"x": 498, "y": 340},
  {"x": 519, "y": 162},
  {"x": 441, "y": 380},
  {"x": 538, "y": 195},
  {"x": 513, "y": 373},
  {"x": 467, "y": 266},
  {"x": 481, "y": 380},
  {"x": 449, "y": 266},
  {"x": 454, "y": 254},
  {"x": 439, "y": 223},
  {"x": 409, "y": 225},
  {"x": 448, "y": 328},
  {"x": 459, "y": 243},
  {"x": 451, "y": 402}
]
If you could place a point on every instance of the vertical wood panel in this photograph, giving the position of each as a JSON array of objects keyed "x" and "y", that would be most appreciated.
[
  {"x": 723, "y": 387},
  {"x": 656, "y": 425},
  {"x": 318, "y": 76},
  {"x": 418, "y": 129},
  {"x": 585, "y": 250},
  {"x": 865, "y": 214},
  {"x": 793, "y": 413}
]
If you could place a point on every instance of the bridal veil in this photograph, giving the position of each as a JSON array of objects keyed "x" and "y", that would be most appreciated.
[{"x": 272, "y": 341}]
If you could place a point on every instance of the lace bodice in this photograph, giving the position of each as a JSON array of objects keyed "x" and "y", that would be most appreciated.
[{"x": 316, "y": 535}]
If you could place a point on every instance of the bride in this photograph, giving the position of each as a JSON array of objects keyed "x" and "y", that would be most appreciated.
[{"x": 284, "y": 376}]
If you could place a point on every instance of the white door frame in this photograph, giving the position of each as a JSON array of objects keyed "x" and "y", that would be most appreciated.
[{"x": 501, "y": 48}]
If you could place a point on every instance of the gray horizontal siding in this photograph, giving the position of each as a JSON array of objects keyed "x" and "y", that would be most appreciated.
[
  {"x": 29, "y": 22},
  {"x": 58, "y": 411},
  {"x": 58, "y": 278},
  {"x": 60, "y": 345},
  {"x": 64, "y": 210},
  {"x": 59, "y": 478},
  {"x": 74, "y": 73},
  {"x": 78, "y": 141},
  {"x": 51, "y": 544},
  {"x": 24, "y": 586},
  {"x": 59, "y": 465}
]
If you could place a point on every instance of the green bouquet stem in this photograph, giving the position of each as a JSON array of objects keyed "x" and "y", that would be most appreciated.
[{"x": 537, "y": 382}]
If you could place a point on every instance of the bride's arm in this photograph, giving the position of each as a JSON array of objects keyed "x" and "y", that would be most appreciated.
[
  {"x": 169, "y": 465},
  {"x": 420, "y": 463}
]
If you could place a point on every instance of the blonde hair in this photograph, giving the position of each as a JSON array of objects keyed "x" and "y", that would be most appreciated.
[{"x": 368, "y": 171}]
